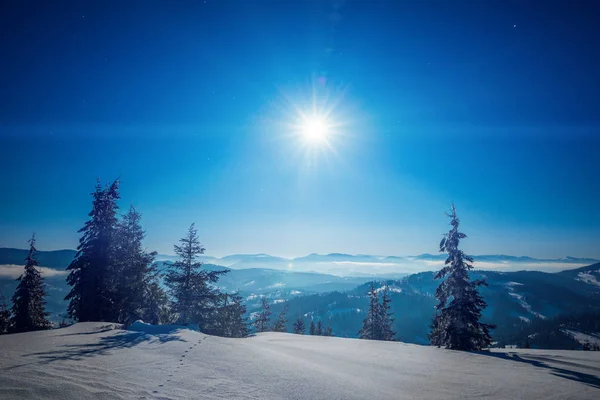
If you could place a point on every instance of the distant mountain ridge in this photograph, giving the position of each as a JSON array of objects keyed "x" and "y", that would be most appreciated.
[
  {"x": 55, "y": 259},
  {"x": 339, "y": 264},
  {"x": 363, "y": 264},
  {"x": 517, "y": 300}
]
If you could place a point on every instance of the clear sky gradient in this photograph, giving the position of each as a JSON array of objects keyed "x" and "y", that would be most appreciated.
[{"x": 493, "y": 105}]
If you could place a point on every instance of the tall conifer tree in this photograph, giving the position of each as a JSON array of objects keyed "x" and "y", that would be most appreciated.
[
  {"x": 456, "y": 324},
  {"x": 196, "y": 300},
  {"x": 92, "y": 271},
  {"x": 371, "y": 328},
  {"x": 134, "y": 270},
  {"x": 385, "y": 319}
]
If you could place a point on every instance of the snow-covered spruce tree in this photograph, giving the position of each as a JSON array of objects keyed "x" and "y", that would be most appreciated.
[
  {"x": 196, "y": 300},
  {"x": 371, "y": 328},
  {"x": 299, "y": 327},
  {"x": 28, "y": 311},
  {"x": 456, "y": 323},
  {"x": 134, "y": 270},
  {"x": 319, "y": 329},
  {"x": 4, "y": 314},
  {"x": 279, "y": 325},
  {"x": 231, "y": 319},
  {"x": 312, "y": 329},
  {"x": 92, "y": 271},
  {"x": 328, "y": 331},
  {"x": 261, "y": 323},
  {"x": 385, "y": 318},
  {"x": 156, "y": 309},
  {"x": 236, "y": 312}
]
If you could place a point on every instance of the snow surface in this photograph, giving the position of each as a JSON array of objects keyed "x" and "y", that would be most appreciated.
[
  {"x": 141, "y": 326},
  {"x": 389, "y": 288},
  {"x": 587, "y": 277},
  {"x": 511, "y": 291},
  {"x": 583, "y": 337},
  {"x": 96, "y": 361},
  {"x": 513, "y": 284}
]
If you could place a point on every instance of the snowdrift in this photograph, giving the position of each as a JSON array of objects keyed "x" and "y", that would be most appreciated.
[
  {"x": 102, "y": 361},
  {"x": 141, "y": 326}
]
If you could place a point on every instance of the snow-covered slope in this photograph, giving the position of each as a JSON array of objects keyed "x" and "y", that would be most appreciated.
[{"x": 96, "y": 361}]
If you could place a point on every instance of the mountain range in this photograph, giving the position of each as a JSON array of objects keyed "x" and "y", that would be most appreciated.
[
  {"x": 360, "y": 265},
  {"x": 364, "y": 265},
  {"x": 517, "y": 300}
]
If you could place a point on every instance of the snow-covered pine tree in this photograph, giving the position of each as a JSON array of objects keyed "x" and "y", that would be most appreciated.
[
  {"x": 195, "y": 299},
  {"x": 261, "y": 323},
  {"x": 231, "y": 319},
  {"x": 319, "y": 329},
  {"x": 156, "y": 310},
  {"x": 279, "y": 325},
  {"x": 328, "y": 331},
  {"x": 134, "y": 270},
  {"x": 237, "y": 317},
  {"x": 299, "y": 327},
  {"x": 28, "y": 311},
  {"x": 92, "y": 270},
  {"x": 371, "y": 324},
  {"x": 456, "y": 324},
  {"x": 4, "y": 314},
  {"x": 386, "y": 320},
  {"x": 312, "y": 329}
]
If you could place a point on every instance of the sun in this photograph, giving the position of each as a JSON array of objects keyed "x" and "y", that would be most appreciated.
[
  {"x": 312, "y": 127},
  {"x": 315, "y": 130}
]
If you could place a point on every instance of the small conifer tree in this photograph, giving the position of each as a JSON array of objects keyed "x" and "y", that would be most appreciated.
[
  {"x": 299, "y": 327},
  {"x": 28, "y": 312},
  {"x": 261, "y": 323},
  {"x": 279, "y": 325}
]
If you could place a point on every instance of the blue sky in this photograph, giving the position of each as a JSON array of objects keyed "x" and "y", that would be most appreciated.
[{"x": 492, "y": 105}]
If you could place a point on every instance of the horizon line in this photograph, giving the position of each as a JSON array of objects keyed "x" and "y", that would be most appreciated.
[{"x": 339, "y": 253}]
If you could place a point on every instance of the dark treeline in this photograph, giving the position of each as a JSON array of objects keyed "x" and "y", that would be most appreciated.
[
  {"x": 114, "y": 278},
  {"x": 553, "y": 333},
  {"x": 378, "y": 323},
  {"x": 262, "y": 322}
]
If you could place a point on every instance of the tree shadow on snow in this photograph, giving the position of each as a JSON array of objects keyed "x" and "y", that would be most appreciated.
[
  {"x": 538, "y": 361},
  {"x": 101, "y": 329},
  {"x": 104, "y": 346}
]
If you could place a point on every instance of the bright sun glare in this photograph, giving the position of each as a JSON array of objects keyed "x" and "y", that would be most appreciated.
[
  {"x": 315, "y": 123},
  {"x": 315, "y": 130}
]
